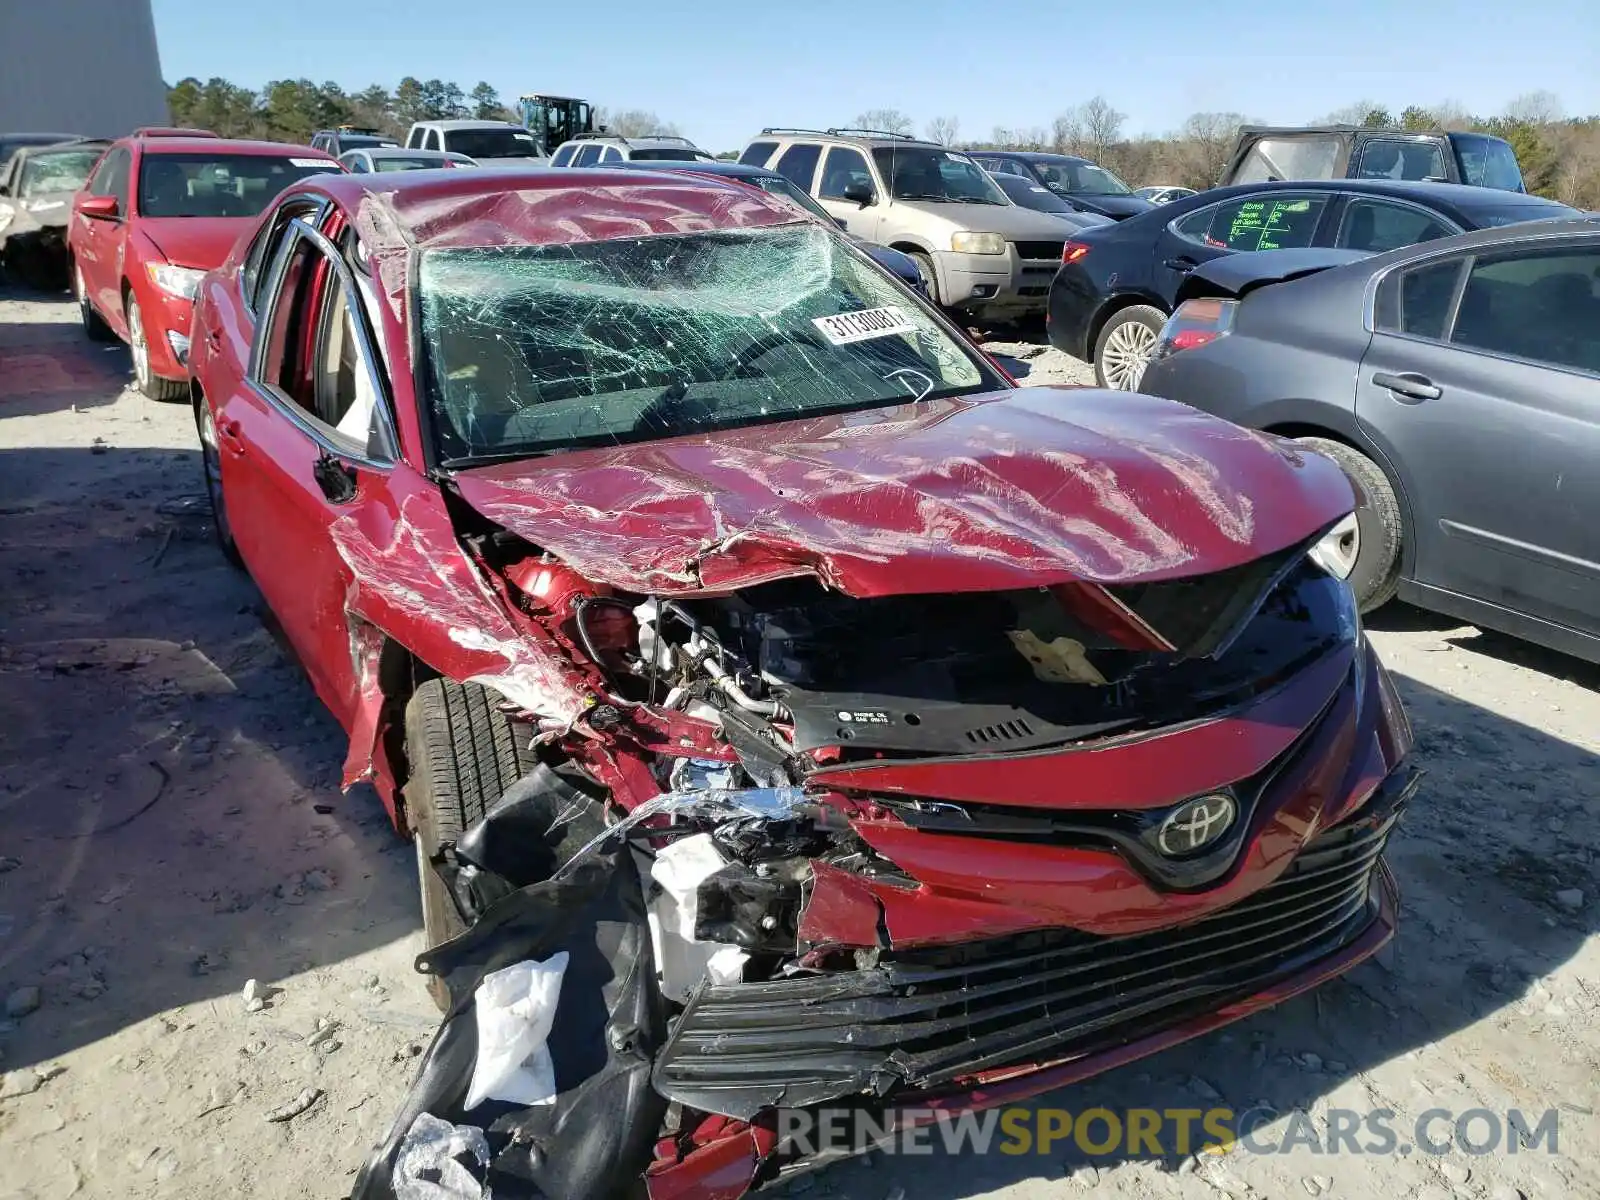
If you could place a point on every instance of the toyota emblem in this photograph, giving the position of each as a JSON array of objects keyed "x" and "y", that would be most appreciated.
[{"x": 1195, "y": 824}]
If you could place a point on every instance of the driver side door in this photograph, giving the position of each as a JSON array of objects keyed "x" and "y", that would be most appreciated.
[{"x": 309, "y": 436}]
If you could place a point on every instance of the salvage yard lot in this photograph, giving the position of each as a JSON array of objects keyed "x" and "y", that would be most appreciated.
[{"x": 171, "y": 828}]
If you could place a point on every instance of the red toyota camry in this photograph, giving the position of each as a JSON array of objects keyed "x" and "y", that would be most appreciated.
[
  {"x": 858, "y": 729},
  {"x": 161, "y": 209}
]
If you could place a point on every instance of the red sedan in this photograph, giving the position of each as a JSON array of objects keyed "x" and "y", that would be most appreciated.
[
  {"x": 161, "y": 209},
  {"x": 865, "y": 730}
]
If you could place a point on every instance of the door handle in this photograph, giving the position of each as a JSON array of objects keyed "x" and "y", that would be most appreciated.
[
  {"x": 1410, "y": 385},
  {"x": 228, "y": 431},
  {"x": 1182, "y": 264}
]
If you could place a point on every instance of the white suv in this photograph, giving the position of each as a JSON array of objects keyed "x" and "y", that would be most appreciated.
[
  {"x": 477, "y": 140},
  {"x": 597, "y": 149},
  {"x": 975, "y": 249}
]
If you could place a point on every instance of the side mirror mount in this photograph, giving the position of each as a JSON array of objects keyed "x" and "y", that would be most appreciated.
[
  {"x": 99, "y": 208},
  {"x": 839, "y": 221},
  {"x": 860, "y": 193}
]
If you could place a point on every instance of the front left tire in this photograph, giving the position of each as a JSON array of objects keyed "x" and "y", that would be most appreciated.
[{"x": 151, "y": 384}]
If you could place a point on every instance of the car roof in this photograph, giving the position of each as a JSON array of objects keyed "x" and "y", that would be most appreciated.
[
  {"x": 61, "y": 147},
  {"x": 498, "y": 206},
  {"x": 855, "y": 137},
  {"x": 729, "y": 170},
  {"x": 1458, "y": 196},
  {"x": 183, "y": 145},
  {"x": 397, "y": 152},
  {"x": 1037, "y": 156},
  {"x": 40, "y": 139},
  {"x": 462, "y": 123}
]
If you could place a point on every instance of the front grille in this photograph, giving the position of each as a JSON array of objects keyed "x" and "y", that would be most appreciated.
[
  {"x": 930, "y": 1017},
  {"x": 1051, "y": 250}
]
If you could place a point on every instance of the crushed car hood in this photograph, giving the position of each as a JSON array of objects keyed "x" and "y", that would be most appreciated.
[
  {"x": 199, "y": 242},
  {"x": 1012, "y": 489}
]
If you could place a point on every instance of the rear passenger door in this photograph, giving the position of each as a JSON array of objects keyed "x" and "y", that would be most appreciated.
[{"x": 1482, "y": 383}]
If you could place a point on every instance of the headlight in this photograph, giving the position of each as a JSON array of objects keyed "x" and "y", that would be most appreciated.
[
  {"x": 39, "y": 206},
  {"x": 1336, "y": 551},
  {"x": 966, "y": 242},
  {"x": 182, "y": 282}
]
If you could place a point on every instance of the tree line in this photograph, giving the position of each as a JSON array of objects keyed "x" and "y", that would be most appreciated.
[
  {"x": 1560, "y": 155},
  {"x": 291, "y": 110}
]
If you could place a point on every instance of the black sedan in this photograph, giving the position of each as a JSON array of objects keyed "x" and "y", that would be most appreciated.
[
  {"x": 1117, "y": 284},
  {"x": 1458, "y": 385},
  {"x": 1086, "y": 185},
  {"x": 901, "y": 266}
]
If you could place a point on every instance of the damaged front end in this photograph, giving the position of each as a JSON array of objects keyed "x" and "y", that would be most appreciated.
[{"x": 941, "y": 850}]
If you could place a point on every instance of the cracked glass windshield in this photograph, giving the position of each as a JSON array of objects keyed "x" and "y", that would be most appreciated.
[
  {"x": 534, "y": 349},
  {"x": 923, "y": 173}
]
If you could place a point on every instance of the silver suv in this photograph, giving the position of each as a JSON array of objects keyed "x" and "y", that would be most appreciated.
[
  {"x": 975, "y": 249},
  {"x": 597, "y": 149}
]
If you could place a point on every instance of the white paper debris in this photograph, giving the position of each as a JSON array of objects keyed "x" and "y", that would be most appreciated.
[
  {"x": 681, "y": 961},
  {"x": 516, "y": 1010}
]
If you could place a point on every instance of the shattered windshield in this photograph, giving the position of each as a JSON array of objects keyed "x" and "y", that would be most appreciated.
[
  {"x": 58, "y": 171},
  {"x": 1076, "y": 177},
  {"x": 923, "y": 173},
  {"x": 534, "y": 349}
]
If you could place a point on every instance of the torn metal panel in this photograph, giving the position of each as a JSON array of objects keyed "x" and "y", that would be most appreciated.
[
  {"x": 411, "y": 579},
  {"x": 1010, "y": 490}
]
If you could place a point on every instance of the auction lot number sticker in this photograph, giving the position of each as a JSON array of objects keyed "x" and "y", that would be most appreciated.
[{"x": 844, "y": 328}]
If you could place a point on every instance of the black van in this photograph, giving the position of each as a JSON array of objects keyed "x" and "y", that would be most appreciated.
[{"x": 1265, "y": 153}]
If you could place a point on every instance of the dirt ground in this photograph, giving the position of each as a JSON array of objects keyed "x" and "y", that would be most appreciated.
[{"x": 171, "y": 828}]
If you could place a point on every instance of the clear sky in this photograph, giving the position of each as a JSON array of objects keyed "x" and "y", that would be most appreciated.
[{"x": 721, "y": 70}]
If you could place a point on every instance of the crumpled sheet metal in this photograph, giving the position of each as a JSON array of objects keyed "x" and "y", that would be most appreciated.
[
  {"x": 412, "y": 580},
  {"x": 542, "y": 207},
  {"x": 1010, "y": 490}
]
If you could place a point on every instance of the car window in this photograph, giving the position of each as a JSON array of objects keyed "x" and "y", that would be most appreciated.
[
  {"x": 1003, "y": 166},
  {"x": 1079, "y": 177},
  {"x": 356, "y": 163},
  {"x": 846, "y": 165},
  {"x": 218, "y": 185},
  {"x": 1539, "y": 305},
  {"x": 1487, "y": 161},
  {"x": 269, "y": 240},
  {"x": 1311, "y": 157},
  {"x": 1417, "y": 301},
  {"x": 587, "y": 156},
  {"x": 610, "y": 154},
  {"x": 535, "y": 348},
  {"x": 112, "y": 178},
  {"x": 757, "y": 153},
  {"x": 311, "y": 356},
  {"x": 504, "y": 142},
  {"x": 798, "y": 164},
  {"x": 1276, "y": 221},
  {"x": 432, "y": 140},
  {"x": 563, "y": 156},
  {"x": 925, "y": 173},
  {"x": 55, "y": 171},
  {"x": 1396, "y": 158},
  {"x": 1379, "y": 225}
]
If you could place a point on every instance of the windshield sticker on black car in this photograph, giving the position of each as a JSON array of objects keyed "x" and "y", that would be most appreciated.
[{"x": 843, "y": 328}]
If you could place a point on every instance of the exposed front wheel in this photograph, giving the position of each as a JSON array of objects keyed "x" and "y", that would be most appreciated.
[
  {"x": 1123, "y": 349},
  {"x": 463, "y": 754},
  {"x": 151, "y": 384},
  {"x": 1373, "y": 548}
]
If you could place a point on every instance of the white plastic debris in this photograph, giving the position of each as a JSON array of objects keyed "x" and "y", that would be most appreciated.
[
  {"x": 429, "y": 1165},
  {"x": 681, "y": 961},
  {"x": 516, "y": 1010}
]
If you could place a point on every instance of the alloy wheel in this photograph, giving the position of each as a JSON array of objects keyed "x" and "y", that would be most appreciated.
[
  {"x": 1127, "y": 353},
  {"x": 138, "y": 346}
]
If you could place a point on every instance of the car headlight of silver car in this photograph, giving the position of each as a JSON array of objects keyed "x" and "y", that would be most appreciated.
[{"x": 965, "y": 241}]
